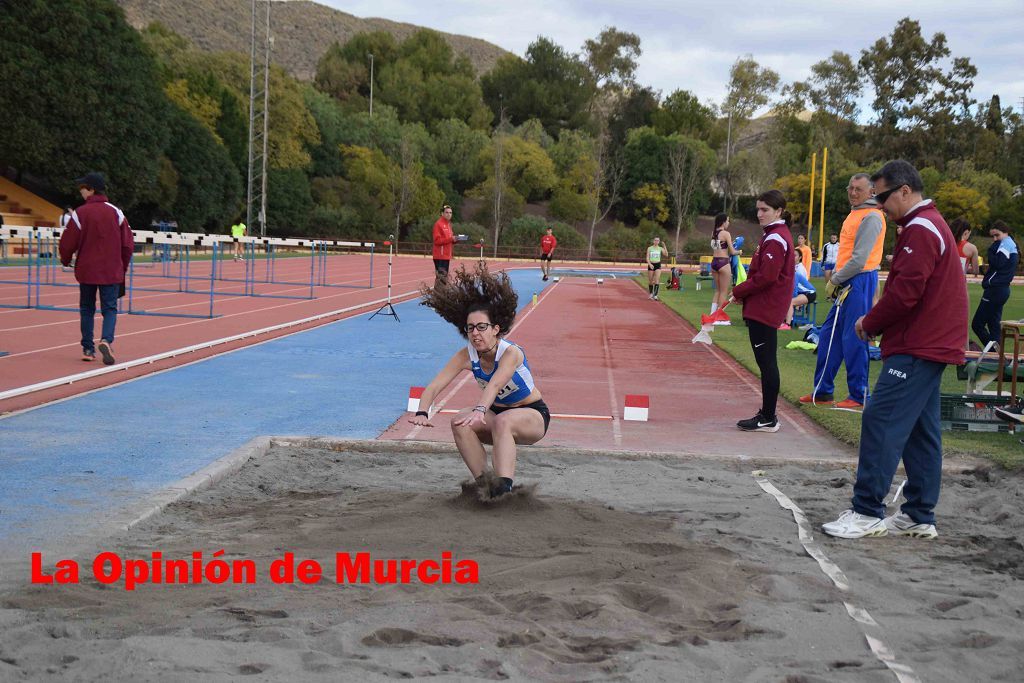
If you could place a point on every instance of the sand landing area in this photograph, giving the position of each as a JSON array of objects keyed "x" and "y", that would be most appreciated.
[{"x": 602, "y": 568}]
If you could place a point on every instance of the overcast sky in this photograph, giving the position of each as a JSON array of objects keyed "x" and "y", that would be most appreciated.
[{"x": 692, "y": 45}]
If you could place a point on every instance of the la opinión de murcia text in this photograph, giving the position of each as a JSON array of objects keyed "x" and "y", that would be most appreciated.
[{"x": 356, "y": 568}]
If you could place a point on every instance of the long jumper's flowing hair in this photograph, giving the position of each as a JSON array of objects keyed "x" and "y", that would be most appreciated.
[{"x": 468, "y": 292}]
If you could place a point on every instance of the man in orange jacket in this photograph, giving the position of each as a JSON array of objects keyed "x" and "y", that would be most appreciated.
[{"x": 860, "y": 255}]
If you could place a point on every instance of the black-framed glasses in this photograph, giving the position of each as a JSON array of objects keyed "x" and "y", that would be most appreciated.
[
  {"x": 479, "y": 327},
  {"x": 883, "y": 197}
]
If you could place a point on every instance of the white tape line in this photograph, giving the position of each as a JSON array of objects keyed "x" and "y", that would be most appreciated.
[
  {"x": 904, "y": 674},
  {"x": 830, "y": 568}
]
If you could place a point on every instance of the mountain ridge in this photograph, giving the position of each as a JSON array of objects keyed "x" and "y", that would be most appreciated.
[{"x": 302, "y": 30}]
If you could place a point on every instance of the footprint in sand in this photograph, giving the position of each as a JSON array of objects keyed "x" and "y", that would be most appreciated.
[{"x": 396, "y": 637}]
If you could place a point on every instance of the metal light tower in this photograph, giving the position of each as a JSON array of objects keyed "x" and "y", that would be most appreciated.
[
  {"x": 371, "y": 84},
  {"x": 259, "y": 114}
]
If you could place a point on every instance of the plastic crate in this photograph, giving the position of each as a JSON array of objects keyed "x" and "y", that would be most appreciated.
[{"x": 972, "y": 413}]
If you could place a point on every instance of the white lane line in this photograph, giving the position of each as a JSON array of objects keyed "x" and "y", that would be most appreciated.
[
  {"x": 612, "y": 393},
  {"x": 71, "y": 379},
  {"x": 903, "y": 673},
  {"x": 451, "y": 392},
  {"x": 254, "y": 311}
]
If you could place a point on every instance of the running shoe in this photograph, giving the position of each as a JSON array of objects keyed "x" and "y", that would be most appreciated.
[
  {"x": 849, "y": 404},
  {"x": 902, "y": 524},
  {"x": 655, "y": 298},
  {"x": 1011, "y": 413},
  {"x": 88, "y": 355},
  {"x": 852, "y": 524},
  {"x": 785, "y": 327},
  {"x": 759, "y": 424},
  {"x": 820, "y": 399},
  {"x": 104, "y": 349}
]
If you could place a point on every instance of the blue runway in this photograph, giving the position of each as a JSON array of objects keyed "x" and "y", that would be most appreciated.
[{"x": 73, "y": 461}]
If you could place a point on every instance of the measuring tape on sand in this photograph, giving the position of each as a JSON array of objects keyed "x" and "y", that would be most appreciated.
[{"x": 904, "y": 674}]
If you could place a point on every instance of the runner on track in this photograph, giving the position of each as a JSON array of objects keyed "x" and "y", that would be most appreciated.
[{"x": 655, "y": 255}]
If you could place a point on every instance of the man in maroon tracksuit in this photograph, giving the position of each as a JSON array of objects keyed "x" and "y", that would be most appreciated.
[
  {"x": 766, "y": 296},
  {"x": 922, "y": 317},
  {"x": 99, "y": 233}
]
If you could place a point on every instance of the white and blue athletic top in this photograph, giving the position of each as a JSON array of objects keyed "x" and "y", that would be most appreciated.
[{"x": 518, "y": 388}]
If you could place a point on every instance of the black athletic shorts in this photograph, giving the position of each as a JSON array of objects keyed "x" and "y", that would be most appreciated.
[
  {"x": 811, "y": 296},
  {"x": 539, "y": 406},
  {"x": 441, "y": 265},
  {"x": 656, "y": 266},
  {"x": 545, "y": 257}
]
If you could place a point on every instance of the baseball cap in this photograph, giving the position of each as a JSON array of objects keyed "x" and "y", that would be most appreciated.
[{"x": 93, "y": 180}]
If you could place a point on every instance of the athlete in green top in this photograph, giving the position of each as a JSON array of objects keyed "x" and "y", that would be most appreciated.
[
  {"x": 655, "y": 255},
  {"x": 238, "y": 230}
]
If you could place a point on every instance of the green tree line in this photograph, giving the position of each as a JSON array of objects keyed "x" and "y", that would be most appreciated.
[{"x": 573, "y": 132}]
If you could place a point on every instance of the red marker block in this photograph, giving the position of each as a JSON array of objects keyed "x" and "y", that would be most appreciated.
[
  {"x": 637, "y": 406},
  {"x": 414, "y": 398}
]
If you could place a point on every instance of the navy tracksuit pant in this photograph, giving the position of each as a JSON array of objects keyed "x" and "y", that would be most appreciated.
[
  {"x": 901, "y": 422},
  {"x": 846, "y": 346},
  {"x": 987, "y": 318}
]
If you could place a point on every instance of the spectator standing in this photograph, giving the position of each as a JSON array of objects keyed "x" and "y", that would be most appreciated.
[
  {"x": 922, "y": 317},
  {"x": 968, "y": 252},
  {"x": 829, "y": 255},
  {"x": 655, "y": 254},
  {"x": 1002, "y": 266},
  {"x": 803, "y": 252},
  {"x": 722, "y": 251},
  {"x": 852, "y": 286},
  {"x": 548, "y": 242},
  {"x": 766, "y": 295},
  {"x": 99, "y": 234},
  {"x": 238, "y": 232},
  {"x": 443, "y": 241}
]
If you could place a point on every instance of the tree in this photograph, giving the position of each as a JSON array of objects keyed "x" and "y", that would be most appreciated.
[
  {"x": 835, "y": 86},
  {"x": 682, "y": 113},
  {"x": 652, "y": 202},
  {"x": 612, "y": 58},
  {"x": 550, "y": 85},
  {"x": 604, "y": 183},
  {"x": 526, "y": 166},
  {"x": 956, "y": 200},
  {"x": 690, "y": 164},
  {"x": 458, "y": 149},
  {"x": 994, "y": 117},
  {"x": 797, "y": 189},
  {"x": 54, "y": 54},
  {"x": 750, "y": 88}
]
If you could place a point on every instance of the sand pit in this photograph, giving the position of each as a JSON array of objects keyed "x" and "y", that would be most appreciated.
[{"x": 642, "y": 569}]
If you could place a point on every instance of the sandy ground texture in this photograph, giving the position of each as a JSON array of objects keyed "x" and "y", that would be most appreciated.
[{"x": 612, "y": 568}]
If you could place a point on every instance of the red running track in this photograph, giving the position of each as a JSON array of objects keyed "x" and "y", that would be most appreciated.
[
  {"x": 589, "y": 345},
  {"x": 45, "y": 345}
]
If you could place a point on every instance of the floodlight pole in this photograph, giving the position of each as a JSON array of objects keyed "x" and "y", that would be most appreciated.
[{"x": 371, "y": 84}]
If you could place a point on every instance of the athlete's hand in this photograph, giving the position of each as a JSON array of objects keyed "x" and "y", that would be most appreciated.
[
  {"x": 471, "y": 419},
  {"x": 862, "y": 334},
  {"x": 832, "y": 290},
  {"x": 421, "y": 421}
]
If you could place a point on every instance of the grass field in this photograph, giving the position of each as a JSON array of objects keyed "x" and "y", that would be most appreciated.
[{"x": 797, "y": 372}]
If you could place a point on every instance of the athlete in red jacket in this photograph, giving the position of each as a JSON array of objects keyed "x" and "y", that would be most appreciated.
[
  {"x": 100, "y": 235},
  {"x": 766, "y": 295}
]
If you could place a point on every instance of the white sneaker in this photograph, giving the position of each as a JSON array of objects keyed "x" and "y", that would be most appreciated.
[
  {"x": 650, "y": 297},
  {"x": 655, "y": 298},
  {"x": 852, "y": 524},
  {"x": 902, "y": 524}
]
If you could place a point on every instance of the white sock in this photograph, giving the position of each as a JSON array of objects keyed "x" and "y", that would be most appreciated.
[{"x": 714, "y": 307}]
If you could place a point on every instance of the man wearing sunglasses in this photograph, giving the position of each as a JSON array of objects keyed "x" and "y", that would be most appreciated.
[{"x": 922, "y": 318}]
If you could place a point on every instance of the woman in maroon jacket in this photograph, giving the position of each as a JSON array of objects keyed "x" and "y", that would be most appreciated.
[{"x": 766, "y": 295}]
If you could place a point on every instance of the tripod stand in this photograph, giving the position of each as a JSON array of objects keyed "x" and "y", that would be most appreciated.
[{"x": 387, "y": 308}]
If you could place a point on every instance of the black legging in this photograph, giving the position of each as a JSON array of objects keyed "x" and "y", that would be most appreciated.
[
  {"x": 764, "y": 340},
  {"x": 989, "y": 314}
]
